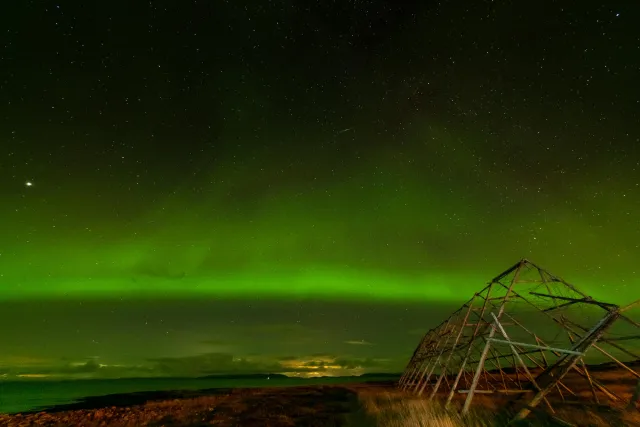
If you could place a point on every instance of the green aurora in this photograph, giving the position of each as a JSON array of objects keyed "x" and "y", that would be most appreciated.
[
  {"x": 389, "y": 230},
  {"x": 233, "y": 187}
]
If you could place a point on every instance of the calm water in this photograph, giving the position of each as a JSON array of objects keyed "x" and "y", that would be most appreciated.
[{"x": 21, "y": 396}]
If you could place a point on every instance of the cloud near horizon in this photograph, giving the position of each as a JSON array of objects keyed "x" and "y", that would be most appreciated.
[
  {"x": 358, "y": 342},
  {"x": 198, "y": 365}
]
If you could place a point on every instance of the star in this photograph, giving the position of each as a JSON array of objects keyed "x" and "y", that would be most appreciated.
[{"x": 28, "y": 184}]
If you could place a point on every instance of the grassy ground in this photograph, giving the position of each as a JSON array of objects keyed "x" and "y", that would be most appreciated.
[{"x": 393, "y": 408}]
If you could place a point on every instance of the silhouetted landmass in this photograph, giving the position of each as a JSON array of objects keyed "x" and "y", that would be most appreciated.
[
  {"x": 381, "y": 375},
  {"x": 282, "y": 376},
  {"x": 143, "y": 397},
  {"x": 309, "y": 406},
  {"x": 246, "y": 376},
  {"x": 131, "y": 399},
  {"x": 348, "y": 404}
]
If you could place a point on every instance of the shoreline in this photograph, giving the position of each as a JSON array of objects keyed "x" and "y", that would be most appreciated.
[
  {"x": 120, "y": 400},
  {"x": 309, "y": 405},
  {"x": 33, "y": 396}
]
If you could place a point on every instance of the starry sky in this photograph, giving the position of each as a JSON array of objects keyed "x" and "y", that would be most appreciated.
[{"x": 298, "y": 186}]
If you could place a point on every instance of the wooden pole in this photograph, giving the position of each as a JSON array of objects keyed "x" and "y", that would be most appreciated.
[
  {"x": 476, "y": 376},
  {"x": 416, "y": 368},
  {"x": 433, "y": 367},
  {"x": 418, "y": 358},
  {"x": 421, "y": 375},
  {"x": 485, "y": 351},
  {"x": 453, "y": 349},
  {"x": 630, "y": 306},
  {"x": 412, "y": 374},
  {"x": 586, "y": 371},
  {"x": 434, "y": 360},
  {"x": 470, "y": 346},
  {"x": 415, "y": 358},
  {"x": 407, "y": 374},
  {"x": 566, "y": 363},
  {"x": 604, "y": 352},
  {"x": 635, "y": 399},
  {"x": 415, "y": 372},
  {"x": 411, "y": 364},
  {"x": 517, "y": 355},
  {"x": 563, "y": 324}
]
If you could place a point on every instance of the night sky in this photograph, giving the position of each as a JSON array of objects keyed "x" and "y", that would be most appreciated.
[{"x": 298, "y": 186}]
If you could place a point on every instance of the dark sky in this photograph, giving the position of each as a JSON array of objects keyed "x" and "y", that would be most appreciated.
[{"x": 301, "y": 186}]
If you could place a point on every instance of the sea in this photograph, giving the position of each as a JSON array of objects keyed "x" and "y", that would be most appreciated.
[{"x": 33, "y": 395}]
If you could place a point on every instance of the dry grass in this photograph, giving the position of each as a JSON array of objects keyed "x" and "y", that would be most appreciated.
[
  {"x": 394, "y": 408},
  {"x": 397, "y": 409},
  {"x": 390, "y": 408}
]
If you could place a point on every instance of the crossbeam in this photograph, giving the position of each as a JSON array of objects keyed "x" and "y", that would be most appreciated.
[
  {"x": 540, "y": 347},
  {"x": 586, "y": 300},
  {"x": 465, "y": 356},
  {"x": 514, "y": 391}
]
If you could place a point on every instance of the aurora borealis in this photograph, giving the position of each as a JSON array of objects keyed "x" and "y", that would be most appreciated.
[{"x": 301, "y": 187}]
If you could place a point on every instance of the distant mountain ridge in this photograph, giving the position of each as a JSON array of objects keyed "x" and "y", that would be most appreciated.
[
  {"x": 282, "y": 376},
  {"x": 381, "y": 374},
  {"x": 244, "y": 376}
]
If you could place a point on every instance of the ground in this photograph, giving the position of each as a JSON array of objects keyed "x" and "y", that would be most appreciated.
[
  {"x": 348, "y": 405},
  {"x": 263, "y": 407}
]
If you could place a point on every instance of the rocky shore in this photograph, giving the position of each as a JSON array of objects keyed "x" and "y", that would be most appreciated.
[{"x": 311, "y": 406}]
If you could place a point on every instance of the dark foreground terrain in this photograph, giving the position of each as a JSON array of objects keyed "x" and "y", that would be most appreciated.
[
  {"x": 348, "y": 405},
  {"x": 264, "y": 407}
]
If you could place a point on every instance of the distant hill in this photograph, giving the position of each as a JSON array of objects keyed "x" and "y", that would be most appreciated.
[
  {"x": 381, "y": 374},
  {"x": 281, "y": 376},
  {"x": 244, "y": 376}
]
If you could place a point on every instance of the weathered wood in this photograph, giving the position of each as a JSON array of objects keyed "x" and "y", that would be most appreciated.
[
  {"x": 636, "y": 303},
  {"x": 476, "y": 377},
  {"x": 464, "y": 354},
  {"x": 455, "y": 343},
  {"x": 599, "y": 385},
  {"x": 627, "y": 338},
  {"x": 503, "y": 391},
  {"x": 606, "y": 353},
  {"x": 432, "y": 362},
  {"x": 585, "y": 300},
  {"x": 635, "y": 398},
  {"x": 470, "y": 345},
  {"x": 433, "y": 367},
  {"x": 565, "y": 364},
  {"x": 485, "y": 351},
  {"x": 517, "y": 355},
  {"x": 522, "y": 344}
]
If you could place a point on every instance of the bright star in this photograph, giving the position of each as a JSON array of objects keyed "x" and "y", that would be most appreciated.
[{"x": 28, "y": 184}]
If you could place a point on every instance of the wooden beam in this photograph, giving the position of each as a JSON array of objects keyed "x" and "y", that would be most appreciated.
[
  {"x": 635, "y": 399},
  {"x": 500, "y": 391},
  {"x": 586, "y": 300},
  {"x": 566, "y": 363},
  {"x": 461, "y": 371},
  {"x": 485, "y": 351},
  {"x": 453, "y": 349},
  {"x": 540, "y": 347}
]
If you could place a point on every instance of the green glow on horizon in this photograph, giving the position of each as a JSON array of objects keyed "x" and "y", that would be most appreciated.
[
  {"x": 385, "y": 231},
  {"x": 175, "y": 203},
  {"x": 325, "y": 284}
]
